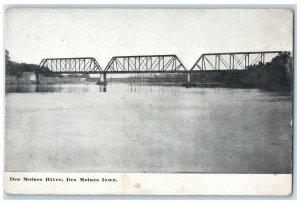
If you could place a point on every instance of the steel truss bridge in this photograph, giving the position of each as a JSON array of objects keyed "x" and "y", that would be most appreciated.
[
  {"x": 69, "y": 65},
  {"x": 145, "y": 64},
  {"x": 233, "y": 60},
  {"x": 151, "y": 64}
]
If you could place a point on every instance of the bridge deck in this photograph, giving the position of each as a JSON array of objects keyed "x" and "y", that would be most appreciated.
[{"x": 145, "y": 72}]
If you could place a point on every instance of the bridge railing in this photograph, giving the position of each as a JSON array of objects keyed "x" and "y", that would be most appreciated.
[
  {"x": 69, "y": 65},
  {"x": 233, "y": 60},
  {"x": 144, "y": 64}
]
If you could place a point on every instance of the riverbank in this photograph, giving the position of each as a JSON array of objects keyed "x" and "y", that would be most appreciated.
[
  {"x": 28, "y": 78},
  {"x": 262, "y": 78}
]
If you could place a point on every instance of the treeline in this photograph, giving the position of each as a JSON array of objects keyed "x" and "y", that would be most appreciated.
[
  {"x": 16, "y": 69},
  {"x": 276, "y": 74}
]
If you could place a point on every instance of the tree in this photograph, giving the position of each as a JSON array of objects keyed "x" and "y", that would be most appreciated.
[
  {"x": 16, "y": 69},
  {"x": 7, "y": 57}
]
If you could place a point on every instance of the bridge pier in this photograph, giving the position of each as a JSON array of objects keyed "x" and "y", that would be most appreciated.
[
  {"x": 102, "y": 82},
  {"x": 37, "y": 79},
  {"x": 189, "y": 77},
  {"x": 188, "y": 83},
  {"x": 104, "y": 78}
]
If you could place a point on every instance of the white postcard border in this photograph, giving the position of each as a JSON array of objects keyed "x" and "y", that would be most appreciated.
[{"x": 146, "y": 184}]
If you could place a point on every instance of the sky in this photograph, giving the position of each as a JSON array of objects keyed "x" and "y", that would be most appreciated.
[{"x": 34, "y": 34}]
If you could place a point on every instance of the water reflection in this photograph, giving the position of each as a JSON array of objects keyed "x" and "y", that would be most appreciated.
[
  {"x": 54, "y": 88},
  {"x": 32, "y": 88},
  {"x": 148, "y": 88},
  {"x": 90, "y": 87},
  {"x": 102, "y": 88},
  {"x": 137, "y": 88}
]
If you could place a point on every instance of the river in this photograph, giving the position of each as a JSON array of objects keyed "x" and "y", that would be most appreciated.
[{"x": 147, "y": 128}]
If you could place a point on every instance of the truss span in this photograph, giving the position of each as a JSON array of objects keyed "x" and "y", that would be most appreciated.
[
  {"x": 233, "y": 60},
  {"x": 145, "y": 64},
  {"x": 69, "y": 65}
]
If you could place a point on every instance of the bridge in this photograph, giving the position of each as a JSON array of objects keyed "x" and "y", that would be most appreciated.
[{"x": 150, "y": 64}]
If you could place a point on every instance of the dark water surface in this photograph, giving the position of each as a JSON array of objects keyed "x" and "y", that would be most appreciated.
[{"x": 144, "y": 128}]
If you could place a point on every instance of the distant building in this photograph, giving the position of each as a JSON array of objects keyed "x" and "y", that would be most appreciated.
[
  {"x": 28, "y": 77},
  {"x": 25, "y": 78}
]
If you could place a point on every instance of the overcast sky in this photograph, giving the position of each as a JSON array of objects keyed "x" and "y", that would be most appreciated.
[{"x": 33, "y": 34}]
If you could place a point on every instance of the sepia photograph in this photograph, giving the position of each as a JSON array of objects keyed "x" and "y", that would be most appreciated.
[{"x": 146, "y": 92}]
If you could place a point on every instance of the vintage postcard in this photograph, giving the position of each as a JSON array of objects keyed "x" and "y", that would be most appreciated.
[{"x": 148, "y": 101}]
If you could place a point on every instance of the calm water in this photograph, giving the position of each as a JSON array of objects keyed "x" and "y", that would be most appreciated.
[{"x": 143, "y": 128}]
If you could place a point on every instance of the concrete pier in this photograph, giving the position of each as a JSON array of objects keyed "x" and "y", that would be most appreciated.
[
  {"x": 188, "y": 82},
  {"x": 37, "y": 78},
  {"x": 104, "y": 81},
  {"x": 104, "y": 78}
]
